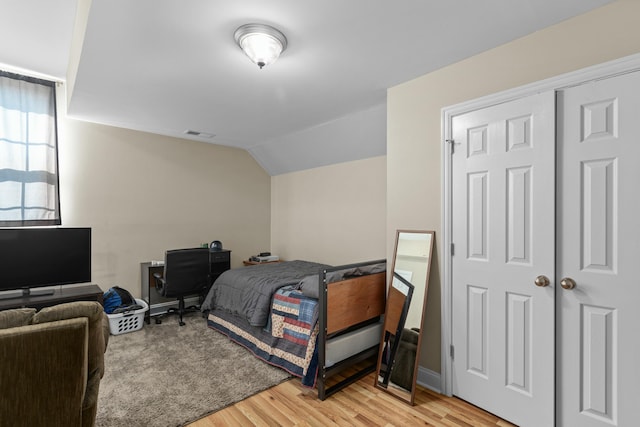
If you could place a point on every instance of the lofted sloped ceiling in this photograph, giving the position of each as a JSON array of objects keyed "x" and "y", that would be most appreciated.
[{"x": 169, "y": 66}]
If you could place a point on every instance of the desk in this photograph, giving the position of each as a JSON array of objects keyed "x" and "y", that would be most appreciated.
[
  {"x": 219, "y": 262},
  {"x": 59, "y": 296},
  {"x": 149, "y": 293}
]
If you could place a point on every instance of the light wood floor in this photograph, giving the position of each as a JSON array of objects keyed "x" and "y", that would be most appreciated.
[{"x": 360, "y": 404}]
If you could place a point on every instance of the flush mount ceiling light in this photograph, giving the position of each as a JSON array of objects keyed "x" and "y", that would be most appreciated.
[{"x": 263, "y": 44}]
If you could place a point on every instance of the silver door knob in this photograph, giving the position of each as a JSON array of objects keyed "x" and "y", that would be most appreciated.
[
  {"x": 568, "y": 283},
  {"x": 542, "y": 281}
]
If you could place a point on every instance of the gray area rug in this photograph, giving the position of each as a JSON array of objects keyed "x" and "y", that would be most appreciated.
[{"x": 167, "y": 375}]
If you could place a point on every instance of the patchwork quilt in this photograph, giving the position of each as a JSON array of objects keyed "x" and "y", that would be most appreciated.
[{"x": 288, "y": 340}]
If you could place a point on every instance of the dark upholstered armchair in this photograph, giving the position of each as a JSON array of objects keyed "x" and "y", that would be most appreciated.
[
  {"x": 186, "y": 273},
  {"x": 51, "y": 363}
]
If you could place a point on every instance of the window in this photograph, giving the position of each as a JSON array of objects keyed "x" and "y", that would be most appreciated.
[{"x": 29, "y": 188}]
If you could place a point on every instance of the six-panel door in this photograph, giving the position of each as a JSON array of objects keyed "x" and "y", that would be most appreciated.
[
  {"x": 503, "y": 232},
  {"x": 598, "y": 321}
]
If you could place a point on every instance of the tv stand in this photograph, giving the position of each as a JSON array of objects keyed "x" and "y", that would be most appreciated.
[
  {"x": 47, "y": 297},
  {"x": 26, "y": 292},
  {"x": 37, "y": 292}
]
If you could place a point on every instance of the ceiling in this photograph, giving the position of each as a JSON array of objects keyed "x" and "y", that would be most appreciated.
[{"x": 168, "y": 66}]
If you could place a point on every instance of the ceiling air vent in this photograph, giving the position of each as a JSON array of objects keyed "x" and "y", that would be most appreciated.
[{"x": 199, "y": 134}]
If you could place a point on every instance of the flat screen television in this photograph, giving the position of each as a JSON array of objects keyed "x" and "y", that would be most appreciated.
[{"x": 38, "y": 257}]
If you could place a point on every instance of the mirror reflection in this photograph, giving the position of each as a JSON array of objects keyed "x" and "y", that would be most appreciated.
[{"x": 407, "y": 298}]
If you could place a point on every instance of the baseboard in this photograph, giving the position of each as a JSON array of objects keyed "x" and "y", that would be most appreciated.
[{"x": 429, "y": 379}]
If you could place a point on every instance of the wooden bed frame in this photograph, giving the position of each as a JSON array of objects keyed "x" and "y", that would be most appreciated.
[{"x": 346, "y": 306}]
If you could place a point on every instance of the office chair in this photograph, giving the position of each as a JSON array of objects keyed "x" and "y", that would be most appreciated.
[{"x": 186, "y": 272}]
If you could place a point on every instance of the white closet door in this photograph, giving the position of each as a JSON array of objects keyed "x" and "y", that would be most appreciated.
[
  {"x": 503, "y": 233},
  {"x": 599, "y": 248}
]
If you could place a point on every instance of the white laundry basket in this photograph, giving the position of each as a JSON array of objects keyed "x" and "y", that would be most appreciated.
[{"x": 121, "y": 323}]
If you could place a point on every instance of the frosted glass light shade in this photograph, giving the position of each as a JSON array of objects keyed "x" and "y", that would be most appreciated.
[{"x": 261, "y": 43}]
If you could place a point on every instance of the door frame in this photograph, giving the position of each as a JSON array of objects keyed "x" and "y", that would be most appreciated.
[{"x": 609, "y": 69}]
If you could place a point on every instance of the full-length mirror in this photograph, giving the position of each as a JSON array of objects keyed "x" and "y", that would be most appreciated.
[{"x": 397, "y": 368}]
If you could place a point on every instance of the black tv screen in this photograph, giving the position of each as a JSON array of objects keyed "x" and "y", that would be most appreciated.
[{"x": 36, "y": 257}]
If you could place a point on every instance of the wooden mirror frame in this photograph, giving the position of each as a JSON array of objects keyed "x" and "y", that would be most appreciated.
[{"x": 396, "y": 312}]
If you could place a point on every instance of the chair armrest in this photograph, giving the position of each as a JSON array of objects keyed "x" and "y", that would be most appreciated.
[
  {"x": 43, "y": 374},
  {"x": 94, "y": 313}
]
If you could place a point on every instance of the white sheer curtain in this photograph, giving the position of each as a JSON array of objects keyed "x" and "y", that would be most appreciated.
[{"x": 28, "y": 152}]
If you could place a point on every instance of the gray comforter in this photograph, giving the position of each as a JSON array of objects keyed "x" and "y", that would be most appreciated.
[{"x": 248, "y": 291}]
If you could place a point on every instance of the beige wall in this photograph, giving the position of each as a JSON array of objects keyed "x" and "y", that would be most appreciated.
[
  {"x": 414, "y": 118},
  {"x": 334, "y": 214},
  {"x": 144, "y": 193}
]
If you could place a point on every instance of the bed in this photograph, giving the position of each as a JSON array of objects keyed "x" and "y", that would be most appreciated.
[{"x": 318, "y": 322}]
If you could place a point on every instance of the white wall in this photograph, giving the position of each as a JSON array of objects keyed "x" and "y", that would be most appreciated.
[
  {"x": 414, "y": 118},
  {"x": 333, "y": 214},
  {"x": 143, "y": 194}
]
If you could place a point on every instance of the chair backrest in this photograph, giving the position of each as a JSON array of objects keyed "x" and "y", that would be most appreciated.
[{"x": 186, "y": 272}]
